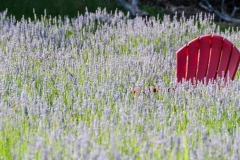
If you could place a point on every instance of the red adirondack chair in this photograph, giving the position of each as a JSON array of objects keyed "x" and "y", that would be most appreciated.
[{"x": 207, "y": 57}]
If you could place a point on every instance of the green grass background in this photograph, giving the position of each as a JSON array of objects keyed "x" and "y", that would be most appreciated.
[
  {"x": 71, "y": 8},
  {"x": 18, "y": 8}
]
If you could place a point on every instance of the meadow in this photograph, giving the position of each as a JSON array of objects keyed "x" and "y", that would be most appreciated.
[{"x": 65, "y": 90}]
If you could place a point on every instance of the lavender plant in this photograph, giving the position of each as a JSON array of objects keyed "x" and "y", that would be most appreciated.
[{"x": 65, "y": 90}]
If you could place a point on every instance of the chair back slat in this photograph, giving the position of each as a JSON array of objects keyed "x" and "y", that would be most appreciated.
[
  {"x": 181, "y": 63},
  {"x": 214, "y": 57},
  {"x": 233, "y": 63},
  {"x": 205, "y": 44},
  {"x": 224, "y": 59},
  {"x": 192, "y": 59}
]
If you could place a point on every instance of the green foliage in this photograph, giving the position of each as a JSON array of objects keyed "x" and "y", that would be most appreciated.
[
  {"x": 154, "y": 11},
  {"x": 69, "y": 8}
]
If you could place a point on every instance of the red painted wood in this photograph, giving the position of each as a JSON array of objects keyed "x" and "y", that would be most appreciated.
[
  {"x": 205, "y": 44},
  {"x": 233, "y": 63},
  {"x": 215, "y": 54},
  {"x": 208, "y": 56},
  {"x": 154, "y": 90},
  {"x": 224, "y": 59},
  {"x": 192, "y": 60},
  {"x": 214, "y": 57},
  {"x": 181, "y": 63}
]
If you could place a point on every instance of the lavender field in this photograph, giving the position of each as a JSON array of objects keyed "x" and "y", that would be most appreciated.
[{"x": 65, "y": 90}]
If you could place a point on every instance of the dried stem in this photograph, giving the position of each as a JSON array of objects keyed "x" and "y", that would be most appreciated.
[{"x": 205, "y": 4}]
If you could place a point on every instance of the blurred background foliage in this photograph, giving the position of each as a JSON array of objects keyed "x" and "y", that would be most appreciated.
[
  {"x": 71, "y": 8},
  {"x": 55, "y": 7}
]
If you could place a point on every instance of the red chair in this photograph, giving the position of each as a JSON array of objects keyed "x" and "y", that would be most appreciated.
[
  {"x": 210, "y": 57},
  {"x": 207, "y": 57}
]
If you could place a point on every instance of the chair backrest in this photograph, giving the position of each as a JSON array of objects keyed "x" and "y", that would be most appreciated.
[{"x": 209, "y": 56}]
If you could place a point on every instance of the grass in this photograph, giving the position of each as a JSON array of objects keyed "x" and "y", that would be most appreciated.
[
  {"x": 65, "y": 91},
  {"x": 227, "y": 26}
]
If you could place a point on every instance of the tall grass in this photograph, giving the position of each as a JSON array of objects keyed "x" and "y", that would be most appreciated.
[{"x": 65, "y": 91}]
